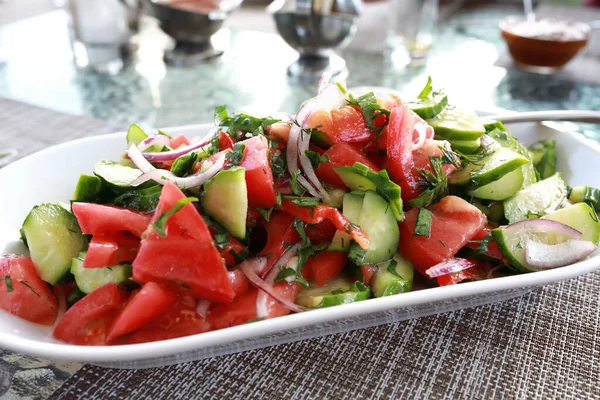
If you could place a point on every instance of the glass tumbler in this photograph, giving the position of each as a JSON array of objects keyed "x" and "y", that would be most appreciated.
[{"x": 410, "y": 30}]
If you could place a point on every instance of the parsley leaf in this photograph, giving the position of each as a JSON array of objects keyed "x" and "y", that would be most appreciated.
[
  {"x": 423, "y": 225},
  {"x": 221, "y": 240},
  {"x": 392, "y": 268},
  {"x": 266, "y": 213},
  {"x": 185, "y": 164},
  {"x": 241, "y": 256},
  {"x": 241, "y": 122},
  {"x": 304, "y": 201},
  {"x": 434, "y": 184},
  {"x": 484, "y": 243},
  {"x": 235, "y": 157},
  {"x": 161, "y": 222},
  {"x": 288, "y": 272},
  {"x": 315, "y": 158},
  {"x": 370, "y": 109},
  {"x": 8, "y": 282},
  {"x": 299, "y": 227},
  {"x": 278, "y": 163},
  {"x": 297, "y": 189}
]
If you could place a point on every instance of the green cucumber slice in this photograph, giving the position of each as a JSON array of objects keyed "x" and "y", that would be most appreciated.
[
  {"x": 339, "y": 290},
  {"x": 88, "y": 188},
  {"x": 544, "y": 157},
  {"x": 466, "y": 146},
  {"x": 352, "y": 204},
  {"x": 359, "y": 177},
  {"x": 581, "y": 217},
  {"x": 453, "y": 124},
  {"x": 225, "y": 198},
  {"x": 393, "y": 277},
  {"x": 378, "y": 221},
  {"x": 135, "y": 134},
  {"x": 53, "y": 237},
  {"x": 90, "y": 279},
  {"x": 534, "y": 200},
  {"x": 501, "y": 189},
  {"x": 587, "y": 194},
  {"x": 116, "y": 175},
  {"x": 505, "y": 139},
  {"x": 429, "y": 107}
]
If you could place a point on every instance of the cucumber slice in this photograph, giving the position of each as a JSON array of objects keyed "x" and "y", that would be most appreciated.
[
  {"x": 87, "y": 189},
  {"x": 511, "y": 241},
  {"x": 466, "y": 146},
  {"x": 544, "y": 157},
  {"x": 359, "y": 177},
  {"x": 429, "y": 107},
  {"x": 587, "y": 194},
  {"x": 534, "y": 200},
  {"x": 90, "y": 279},
  {"x": 320, "y": 139},
  {"x": 453, "y": 124},
  {"x": 336, "y": 197},
  {"x": 54, "y": 238},
  {"x": 225, "y": 198},
  {"x": 507, "y": 140},
  {"x": 378, "y": 221},
  {"x": 341, "y": 242},
  {"x": 501, "y": 189},
  {"x": 135, "y": 134},
  {"x": 490, "y": 125},
  {"x": 352, "y": 205},
  {"x": 491, "y": 168},
  {"x": 581, "y": 217},
  {"x": 393, "y": 277},
  {"x": 117, "y": 176},
  {"x": 340, "y": 290}
]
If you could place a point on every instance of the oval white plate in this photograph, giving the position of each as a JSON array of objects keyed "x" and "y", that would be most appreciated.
[{"x": 51, "y": 175}]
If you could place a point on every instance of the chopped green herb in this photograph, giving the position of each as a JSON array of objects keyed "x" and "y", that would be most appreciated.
[
  {"x": 254, "y": 320},
  {"x": 442, "y": 242},
  {"x": 315, "y": 158},
  {"x": 235, "y": 157},
  {"x": 370, "y": 110},
  {"x": 266, "y": 213},
  {"x": 278, "y": 163},
  {"x": 434, "y": 184},
  {"x": 483, "y": 244},
  {"x": 221, "y": 240},
  {"x": 303, "y": 201},
  {"x": 161, "y": 222},
  {"x": 297, "y": 189},
  {"x": 299, "y": 227},
  {"x": 241, "y": 122},
  {"x": 241, "y": 256},
  {"x": 392, "y": 268},
  {"x": 8, "y": 282},
  {"x": 286, "y": 244},
  {"x": 341, "y": 87},
  {"x": 288, "y": 272},
  {"x": 185, "y": 164},
  {"x": 423, "y": 225}
]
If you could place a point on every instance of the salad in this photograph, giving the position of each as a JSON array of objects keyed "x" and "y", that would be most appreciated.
[{"x": 352, "y": 198}]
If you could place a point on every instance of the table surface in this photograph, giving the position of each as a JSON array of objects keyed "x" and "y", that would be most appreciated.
[{"x": 542, "y": 345}]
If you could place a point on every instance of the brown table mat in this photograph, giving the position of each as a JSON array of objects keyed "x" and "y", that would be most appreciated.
[{"x": 544, "y": 345}]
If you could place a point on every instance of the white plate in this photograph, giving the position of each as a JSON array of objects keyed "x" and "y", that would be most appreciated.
[{"x": 51, "y": 175}]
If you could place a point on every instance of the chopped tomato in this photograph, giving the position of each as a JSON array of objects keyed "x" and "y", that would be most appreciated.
[
  {"x": 178, "y": 141},
  {"x": 259, "y": 176},
  {"x": 493, "y": 250},
  {"x": 325, "y": 266},
  {"x": 239, "y": 282},
  {"x": 341, "y": 155},
  {"x": 225, "y": 141},
  {"x": 368, "y": 271},
  {"x": 23, "y": 293},
  {"x": 404, "y": 165},
  {"x": 279, "y": 130},
  {"x": 345, "y": 124},
  {"x": 187, "y": 254},
  {"x": 454, "y": 223},
  {"x": 430, "y": 148},
  {"x": 287, "y": 291},
  {"x": 181, "y": 319},
  {"x": 315, "y": 215},
  {"x": 88, "y": 321},
  {"x": 239, "y": 311},
  {"x": 232, "y": 245},
  {"x": 111, "y": 249},
  {"x": 477, "y": 272},
  {"x": 322, "y": 232},
  {"x": 280, "y": 235},
  {"x": 143, "y": 307},
  {"x": 95, "y": 219}
]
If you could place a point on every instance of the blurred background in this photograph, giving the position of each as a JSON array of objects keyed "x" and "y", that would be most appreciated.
[{"x": 166, "y": 63}]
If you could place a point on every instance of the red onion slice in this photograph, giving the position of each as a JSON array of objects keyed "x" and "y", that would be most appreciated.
[
  {"x": 548, "y": 256},
  {"x": 249, "y": 268},
  {"x": 163, "y": 176},
  {"x": 422, "y": 132},
  {"x": 449, "y": 266},
  {"x": 156, "y": 139},
  {"x": 174, "y": 154}
]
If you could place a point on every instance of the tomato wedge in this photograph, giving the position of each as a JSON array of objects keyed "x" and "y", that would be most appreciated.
[
  {"x": 325, "y": 266},
  {"x": 23, "y": 293},
  {"x": 225, "y": 141},
  {"x": 111, "y": 249},
  {"x": 181, "y": 319},
  {"x": 341, "y": 155},
  {"x": 142, "y": 308},
  {"x": 343, "y": 125},
  {"x": 280, "y": 235},
  {"x": 95, "y": 219},
  {"x": 454, "y": 223},
  {"x": 88, "y": 321},
  {"x": 476, "y": 273},
  {"x": 186, "y": 255},
  {"x": 178, "y": 141}
]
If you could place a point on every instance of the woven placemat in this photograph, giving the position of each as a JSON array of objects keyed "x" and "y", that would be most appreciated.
[{"x": 544, "y": 345}]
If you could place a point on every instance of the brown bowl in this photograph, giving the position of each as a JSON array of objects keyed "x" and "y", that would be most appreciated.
[{"x": 545, "y": 45}]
